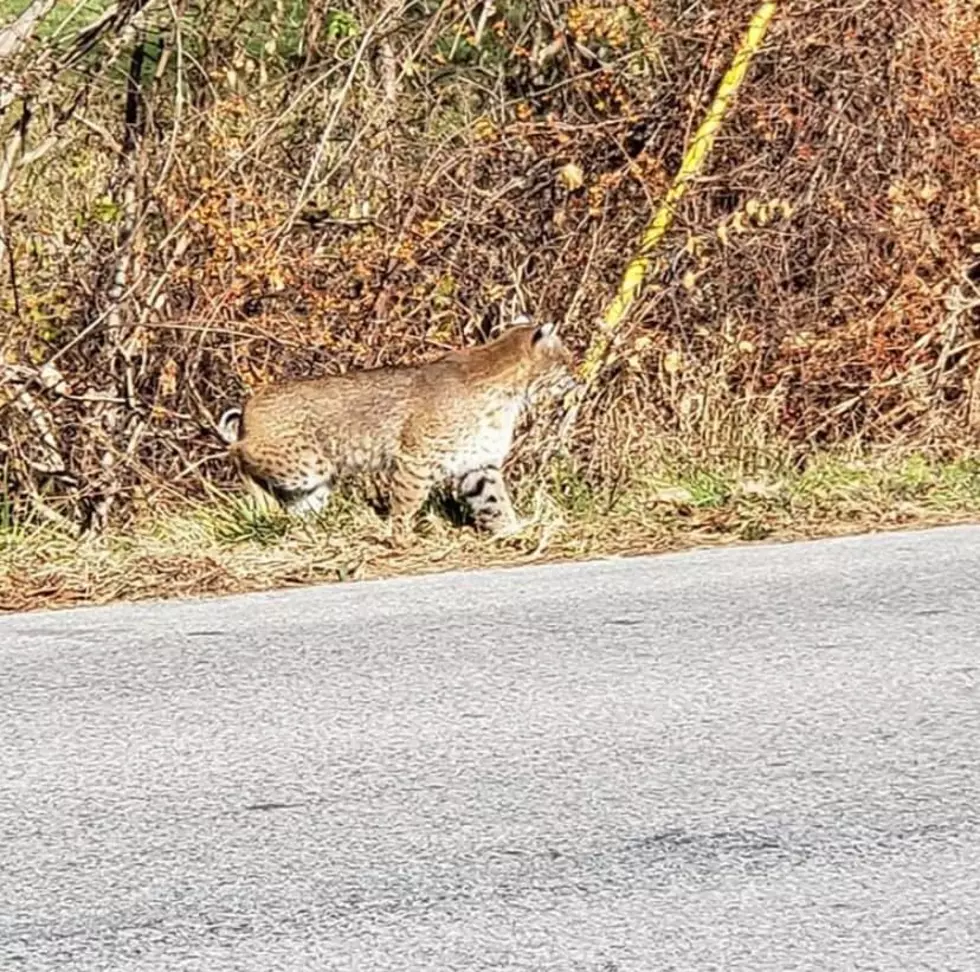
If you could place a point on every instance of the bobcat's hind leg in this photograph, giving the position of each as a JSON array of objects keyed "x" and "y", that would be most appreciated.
[
  {"x": 484, "y": 493},
  {"x": 301, "y": 487},
  {"x": 308, "y": 503},
  {"x": 303, "y": 497}
]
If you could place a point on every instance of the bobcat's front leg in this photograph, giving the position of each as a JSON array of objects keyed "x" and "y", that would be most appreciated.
[
  {"x": 486, "y": 497},
  {"x": 411, "y": 482}
]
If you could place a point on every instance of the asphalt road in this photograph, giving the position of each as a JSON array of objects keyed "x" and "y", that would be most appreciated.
[{"x": 756, "y": 759}]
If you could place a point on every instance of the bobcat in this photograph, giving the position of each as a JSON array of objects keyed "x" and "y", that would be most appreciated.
[{"x": 450, "y": 421}]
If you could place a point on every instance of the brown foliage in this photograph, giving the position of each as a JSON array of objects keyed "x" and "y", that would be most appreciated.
[{"x": 225, "y": 196}]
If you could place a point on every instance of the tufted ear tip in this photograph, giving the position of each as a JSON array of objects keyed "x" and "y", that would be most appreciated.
[{"x": 544, "y": 332}]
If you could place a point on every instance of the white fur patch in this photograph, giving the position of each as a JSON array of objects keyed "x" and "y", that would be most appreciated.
[{"x": 489, "y": 446}]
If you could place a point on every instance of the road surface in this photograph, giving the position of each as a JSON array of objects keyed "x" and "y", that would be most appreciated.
[{"x": 752, "y": 759}]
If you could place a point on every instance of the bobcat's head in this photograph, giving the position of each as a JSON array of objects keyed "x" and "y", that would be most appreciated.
[{"x": 551, "y": 373}]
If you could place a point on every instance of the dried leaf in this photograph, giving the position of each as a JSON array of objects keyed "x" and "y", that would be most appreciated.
[{"x": 571, "y": 176}]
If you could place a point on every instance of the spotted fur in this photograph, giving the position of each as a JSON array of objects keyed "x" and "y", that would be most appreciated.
[{"x": 449, "y": 421}]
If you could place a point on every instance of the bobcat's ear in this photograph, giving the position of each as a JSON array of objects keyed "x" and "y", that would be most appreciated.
[{"x": 544, "y": 332}]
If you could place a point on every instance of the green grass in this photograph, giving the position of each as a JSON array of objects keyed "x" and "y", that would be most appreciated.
[
  {"x": 64, "y": 11},
  {"x": 229, "y": 544},
  {"x": 240, "y": 521}
]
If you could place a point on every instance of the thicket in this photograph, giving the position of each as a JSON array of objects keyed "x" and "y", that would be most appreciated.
[{"x": 196, "y": 197}]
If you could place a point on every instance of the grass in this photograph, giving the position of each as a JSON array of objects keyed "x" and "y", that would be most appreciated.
[
  {"x": 228, "y": 545},
  {"x": 81, "y": 14}
]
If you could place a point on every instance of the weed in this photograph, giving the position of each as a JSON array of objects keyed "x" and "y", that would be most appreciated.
[
  {"x": 244, "y": 521},
  {"x": 228, "y": 544}
]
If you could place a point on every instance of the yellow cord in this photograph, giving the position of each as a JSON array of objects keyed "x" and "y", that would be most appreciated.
[{"x": 693, "y": 160}]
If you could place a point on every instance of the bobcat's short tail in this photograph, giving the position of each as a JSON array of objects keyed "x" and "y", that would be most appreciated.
[{"x": 229, "y": 426}]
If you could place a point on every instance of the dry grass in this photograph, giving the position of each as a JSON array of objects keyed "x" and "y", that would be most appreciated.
[
  {"x": 677, "y": 501},
  {"x": 198, "y": 198},
  {"x": 231, "y": 192}
]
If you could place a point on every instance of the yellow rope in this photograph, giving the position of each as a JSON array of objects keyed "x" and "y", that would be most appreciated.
[{"x": 693, "y": 159}]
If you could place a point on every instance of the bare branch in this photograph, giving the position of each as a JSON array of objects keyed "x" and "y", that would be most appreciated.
[{"x": 14, "y": 36}]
